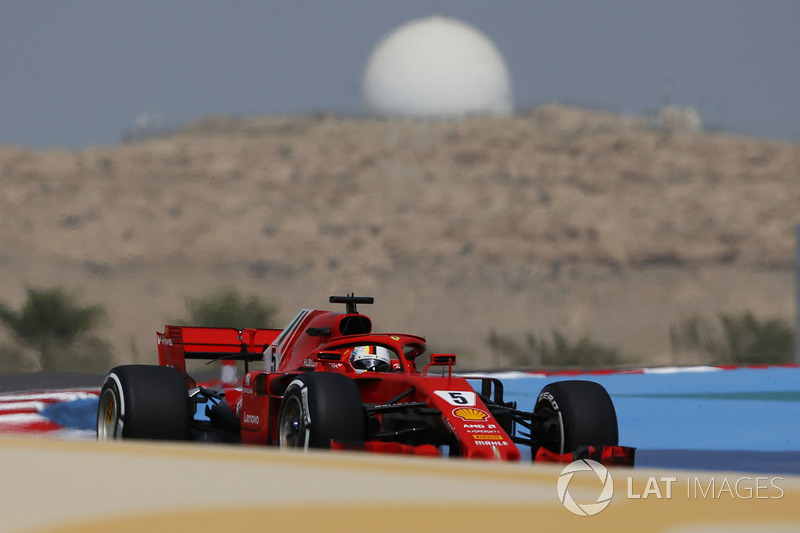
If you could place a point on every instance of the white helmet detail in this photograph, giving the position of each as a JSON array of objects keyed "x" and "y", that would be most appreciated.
[{"x": 371, "y": 358}]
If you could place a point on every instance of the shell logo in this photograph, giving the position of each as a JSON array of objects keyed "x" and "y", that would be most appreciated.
[{"x": 470, "y": 414}]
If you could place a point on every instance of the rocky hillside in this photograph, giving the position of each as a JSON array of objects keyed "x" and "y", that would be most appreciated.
[{"x": 589, "y": 222}]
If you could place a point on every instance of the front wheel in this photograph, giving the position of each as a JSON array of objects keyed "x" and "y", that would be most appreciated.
[
  {"x": 575, "y": 413},
  {"x": 318, "y": 408},
  {"x": 143, "y": 402}
]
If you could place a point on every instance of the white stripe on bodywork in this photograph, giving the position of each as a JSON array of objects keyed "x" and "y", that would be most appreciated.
[{"x": 290, "y": 332}]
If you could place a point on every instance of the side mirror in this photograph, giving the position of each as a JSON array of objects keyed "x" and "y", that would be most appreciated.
[
  {"x": 329, "y": 357},
  {"x": 442, "y": 359}
]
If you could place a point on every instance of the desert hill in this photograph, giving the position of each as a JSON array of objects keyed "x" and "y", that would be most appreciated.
[{"x": 586, "y": 221}]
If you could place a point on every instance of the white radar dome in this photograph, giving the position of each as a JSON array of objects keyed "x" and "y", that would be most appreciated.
[{"x": 436, "y": 67}]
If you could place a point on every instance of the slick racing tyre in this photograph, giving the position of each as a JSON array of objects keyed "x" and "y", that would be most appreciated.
[
  {"x": 318, "y": 408},
  {"x": 143, "y": 402},
  {"x": 576, "y": 413}
]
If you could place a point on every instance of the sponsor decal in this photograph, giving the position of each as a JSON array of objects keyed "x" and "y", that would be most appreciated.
[
  {"x": 252, "y": 419},
  {"x": 395, "y": 338},
  {"x": 484, "y": 428},
  {"x": 164, "y": 340},
  {"x": 470, "y": 414},
  {"x": 487, "y": 437},
  {"x": 306, "y": 409},
  {"x": 457, "y": 397},
  {"x": 247, "y": 391},
  {"x": 308, "y": 362},
  {"x": 549, "y": 397},
  {"x": 449, "y": 426},
  {"x": 491, "y": 443}
]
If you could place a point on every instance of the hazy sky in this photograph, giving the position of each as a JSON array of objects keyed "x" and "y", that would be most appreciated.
[{"x": 78, "y": 72}]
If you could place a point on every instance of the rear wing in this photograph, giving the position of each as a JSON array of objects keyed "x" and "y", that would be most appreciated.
[{"x": 179, "y": 343}]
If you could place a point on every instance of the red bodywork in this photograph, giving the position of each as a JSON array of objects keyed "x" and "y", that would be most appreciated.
[{"x": 320, "y": 341}]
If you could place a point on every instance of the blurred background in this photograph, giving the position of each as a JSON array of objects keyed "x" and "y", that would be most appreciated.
[{"x": 525, "y": 184}]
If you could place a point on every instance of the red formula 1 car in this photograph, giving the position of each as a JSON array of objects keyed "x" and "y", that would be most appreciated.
[{"x": 329, "y": 382}]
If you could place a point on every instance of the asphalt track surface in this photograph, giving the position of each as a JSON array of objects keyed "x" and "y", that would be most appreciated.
[{"x": 48, "y": 381}]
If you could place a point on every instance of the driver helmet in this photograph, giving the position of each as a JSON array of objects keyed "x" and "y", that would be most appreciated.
[{"x": 371, "y": 359}]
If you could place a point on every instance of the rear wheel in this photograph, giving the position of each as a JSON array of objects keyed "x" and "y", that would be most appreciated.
[
  {"x": 318, "y": 408},
  {"x": 576, "y": 413},
  {"x": 143, "y": 402}
]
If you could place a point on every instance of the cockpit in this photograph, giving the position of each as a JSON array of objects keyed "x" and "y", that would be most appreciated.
[{"x": 377, "y": 353}]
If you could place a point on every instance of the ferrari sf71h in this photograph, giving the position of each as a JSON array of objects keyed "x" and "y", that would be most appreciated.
[{"x": 327, "y": 381}]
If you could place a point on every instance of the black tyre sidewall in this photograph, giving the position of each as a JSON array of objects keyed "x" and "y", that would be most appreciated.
[
  {"x": 155, "y": 400},
  {"x": 587, "y": 413},
  {"x": 332, "y": 403}
]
